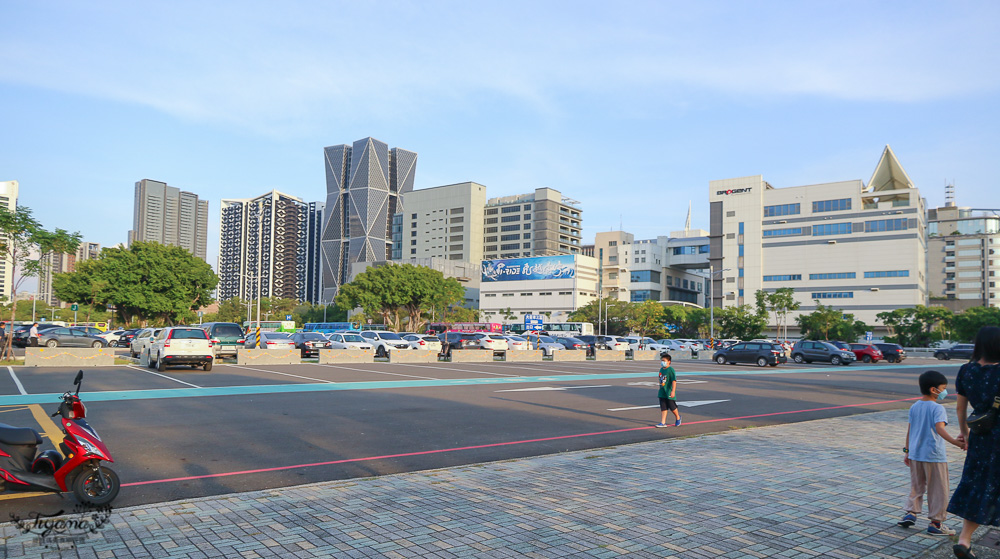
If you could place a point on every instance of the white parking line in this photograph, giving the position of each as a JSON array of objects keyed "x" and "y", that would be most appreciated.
[
  {"x": 159, "y": 375},
  {"x": 278, "y": 373},
  {"x": 16, "y": 380},
  {"x": 539, "y": 369},
  {"x": 453, "y": 369},
  {"x": 370, "y": 371}
]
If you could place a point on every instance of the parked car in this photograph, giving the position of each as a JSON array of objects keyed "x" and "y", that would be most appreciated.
[
  {"x": 348, "y": 341},
  {"x": 423, "y": 341},
  {"x": 309, "y": 343},
  {"x": 181, "y": 345},
  {"x": 111, "y": 336},
  {"x": 142, "y": 340},
  {"x": 458, "y": 340},
  {"x": 894, "y": 353},
  {"x": 494, "y": 342},
  {"x": 226, "y": 337},
  {"x": 125, "y": 338},
  {"x": 635, "y": 342},
  {"x": 673, "y": 345},
  {"x": 595, "y": 342},
  {"x": 21, "y": 333},
  {"x": 807, "y": 351},
  {"x": 761, "y": 353},
  {"x": 547, "y": 344},
  {"x": 270, "y": 340},
  {"x": 692, "y": 344},
  {"x": 516, "y": 343},
  {"x": 68, "y": 337},
  {"x": 573, "y": 343},
  {"x": 867, "y": 353},
  {"x": 957, "y": 351},
  {"x": 384, "y": 341}
]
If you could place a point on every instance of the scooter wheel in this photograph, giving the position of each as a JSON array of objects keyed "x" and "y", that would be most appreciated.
[{"x": 88, "y": 489}]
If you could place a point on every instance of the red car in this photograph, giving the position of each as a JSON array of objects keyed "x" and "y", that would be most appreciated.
[{"x": 867, "y": 353}]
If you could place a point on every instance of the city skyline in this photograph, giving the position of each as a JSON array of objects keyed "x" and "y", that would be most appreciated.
[{"x": 651, "y": 104}]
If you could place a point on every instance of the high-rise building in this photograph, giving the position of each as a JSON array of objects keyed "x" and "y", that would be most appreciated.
[
  {"x": 8, "y": 200},
  {"x": 62, "y": 263},
  {"x": 664, "y": 269},
  {"x": 963, "y": 256},
  {"x": 441, "y": 222},
  {"x": 856, "y": 247},
  {"x": 314, "y": 261},
  {"x": 169, "y": 216},
  {"x": 264, "y": 241},
  {"x": 365, "y": 185},
  {"x": 543, "y": 223}
]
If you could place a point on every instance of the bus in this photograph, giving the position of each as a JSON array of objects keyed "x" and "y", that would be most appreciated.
[
  {"x": 329, "y": 327},
  {"x": 562, "y": 329},
  {"x": 102, "y": 326},
  {"x": 438, "y": 327},
  {"x": 270, "y": 325}
]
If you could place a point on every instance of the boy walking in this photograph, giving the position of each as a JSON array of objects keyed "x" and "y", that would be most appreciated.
[
  {"x": 924, "y": 453},
  {"x": 667, "y": 392}
]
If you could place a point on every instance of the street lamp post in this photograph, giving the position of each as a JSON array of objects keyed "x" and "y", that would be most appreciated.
[{"x": 711, "y": 301}]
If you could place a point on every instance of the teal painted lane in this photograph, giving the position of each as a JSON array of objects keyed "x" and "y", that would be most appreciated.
[{"x": 154, "y": 394}]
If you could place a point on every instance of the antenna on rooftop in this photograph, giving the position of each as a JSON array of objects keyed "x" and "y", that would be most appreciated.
[
  {"x": 687, "y": 223},
  {"x": 949, "y": 194}
]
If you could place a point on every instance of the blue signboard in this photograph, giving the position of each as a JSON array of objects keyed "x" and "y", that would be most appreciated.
[
  {"x": 533, "y": 322},
  {"x": 538, "y": 268}
]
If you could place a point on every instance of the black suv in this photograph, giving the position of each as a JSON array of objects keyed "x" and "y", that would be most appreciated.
[
  {"x": 894, "y": 353},
  {"x": 957, "y": 351},
  {"x": 458, "y": 340},
  {"x": 761, "y": 353}
]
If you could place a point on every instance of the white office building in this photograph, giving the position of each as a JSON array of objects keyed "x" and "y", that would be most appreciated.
[
  {"x": 855, "y": 246},
  {"x": 551, "y": 285},
  {"x": 962, "y": 256},
  {"x": 441, "y": 222}
]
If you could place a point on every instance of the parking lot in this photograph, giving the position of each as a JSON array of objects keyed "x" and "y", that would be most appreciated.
[{"x": 186, "y": 433}]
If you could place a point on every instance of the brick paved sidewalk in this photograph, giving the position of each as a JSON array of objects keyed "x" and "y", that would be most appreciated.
[{"x": 829, "y": 488}]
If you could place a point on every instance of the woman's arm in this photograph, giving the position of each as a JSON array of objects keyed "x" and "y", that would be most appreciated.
[{"x": 962, "y": 411}]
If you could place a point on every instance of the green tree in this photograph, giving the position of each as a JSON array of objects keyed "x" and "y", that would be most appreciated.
[
  {"x": 967, "y": 324},
  {"x": 461, "y": 314},
  {"x": 618, "y": 315},
  {"x": 780, "y": 302},
  {"x": 24, "y": 243},
  {"x": 916, "y": 326},
  {"x": 145, "y": 282},
  {"x": 829, "y": 323},
  {"x": 647, "y": 319},
  {"x": 743, "y": 322},
  {"x": 230, "y": 310},
  {"x": 392, "y": 291},
  {"x": 687, "y": 322}
]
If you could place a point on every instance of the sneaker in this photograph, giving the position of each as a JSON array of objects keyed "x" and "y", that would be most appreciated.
[
  {"x": 660, "y": 425},
  {"x": 937, "y": 529},
  {"x": 677, "y": 423},
  {"x": 908, "y": 520}
]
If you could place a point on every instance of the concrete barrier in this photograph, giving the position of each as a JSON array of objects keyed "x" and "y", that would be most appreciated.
[
  {"x": 609, "y": 355},
  {"x": 523, "y": 355},
  {"x": 268, "y": 357},
  {"x": 569, "y": 355},
  {"x": 68, "y": 357},
  {"x": 412, "y": 356},
  {"x": 346, "y": 356},
  {"x": 646, "y": 355},
  {"x": 471, "y": 356}
]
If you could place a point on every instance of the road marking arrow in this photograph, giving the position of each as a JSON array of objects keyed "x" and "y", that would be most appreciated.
[
  {"x": 551, "y": 388},
  {"x": 685, "y": 404}
]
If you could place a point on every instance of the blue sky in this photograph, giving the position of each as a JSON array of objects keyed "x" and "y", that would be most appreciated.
[{"x": 630, "y": 108}]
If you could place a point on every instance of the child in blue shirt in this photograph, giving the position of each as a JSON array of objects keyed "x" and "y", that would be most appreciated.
[{"x": 924, "y": 453}]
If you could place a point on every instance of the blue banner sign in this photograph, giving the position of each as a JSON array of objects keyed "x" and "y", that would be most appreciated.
[
  {"x": 538, "y": 268},
  {"x": 533, "y": 322}
]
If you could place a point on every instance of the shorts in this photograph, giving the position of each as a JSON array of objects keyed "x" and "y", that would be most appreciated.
[{"x": 668, "y": 404}]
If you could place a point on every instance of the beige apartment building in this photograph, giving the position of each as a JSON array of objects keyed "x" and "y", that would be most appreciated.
[
  {"x": 441, "y": 222},
  {"x": 8, "y": 199},
  {"x": 169, "y": 216},
  {"x": 63, "y": 263},
  {"x": 542, "y": 223},
  {"x": 961, "y": 258},
  {"x": 854, "y": 246}
]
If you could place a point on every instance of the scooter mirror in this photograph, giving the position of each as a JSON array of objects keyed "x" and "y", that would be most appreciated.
[{"x": 79, "y": 378}]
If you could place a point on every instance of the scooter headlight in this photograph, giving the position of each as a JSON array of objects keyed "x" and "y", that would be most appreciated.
[{"x": 90, "y": 447}]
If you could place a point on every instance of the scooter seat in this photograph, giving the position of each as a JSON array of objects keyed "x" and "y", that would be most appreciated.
[{"x": 18, "y": 435}]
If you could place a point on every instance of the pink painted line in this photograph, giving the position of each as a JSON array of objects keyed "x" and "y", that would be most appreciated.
[{"x": 494, "y": 445}]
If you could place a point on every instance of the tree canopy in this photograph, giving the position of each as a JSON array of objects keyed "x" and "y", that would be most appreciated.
[
  {"x": 829, "y": 323},
  {"x": 397, "y": 291}
]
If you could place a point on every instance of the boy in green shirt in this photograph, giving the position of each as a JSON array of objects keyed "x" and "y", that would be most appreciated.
[{"x": 668, "y": 392}]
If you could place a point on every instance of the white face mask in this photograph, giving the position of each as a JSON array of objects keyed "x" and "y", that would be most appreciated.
[{"x": 664, "y": 363}]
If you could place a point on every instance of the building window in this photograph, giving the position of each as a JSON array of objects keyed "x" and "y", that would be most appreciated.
[
  {"x": 838, "y": 275},
  {"x": 526, "y": 295},
  {"x": 885, "y": 225},
  {"x": 458, "y": 210},
  {"x": 834, "y": 295},
  {"x": 490, "y": 230},
  {"x": 510, "y": 209},
  {"x": 783, "y": 209},
  {"x": 492, "y": 239},
  {"x": 612, "y": 243},
  {"x": 508, "y": 218},
  {"x": 783, "y": 232},
  {"x": 641, "y": 295},
  {"x": 888, "y": 274},
  {"x": 526, "y": 235},
  {"x": 413, "y": 242},
  {"x": 670, "y": 280},
  {"x": 648, "y": 276},
  {"x": 413, "y": 216},
  {"x": 510, "y": 237},
  {"x": 545, "y": 293},
  {"x": 527, "y": 226},
  {"x": 786, "y": 277},
  {"x": 526, "y": 245},
  {"x": 565, "y": 292},
  {"x": 413, "y": 233},
  {"x": 832, "y": 205},
  {"x": 490, "y": 220},
  {"x": 514, "y": 246},
  {"x": 824, "y": 229},
  {"x": 527, "y": 217},
  {"x": 491, "y": 211},
  {"x": 491, "y": 248},
  {"x": 506, "y": 294},
  {"x": 515, "y": 227},
  {"x": 413, "y": 251}
]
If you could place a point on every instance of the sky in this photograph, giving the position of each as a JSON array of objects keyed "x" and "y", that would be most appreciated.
[{"x": 631, "y": 108}]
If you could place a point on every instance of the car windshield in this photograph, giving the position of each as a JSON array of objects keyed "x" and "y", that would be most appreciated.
[
  {"x": 516, "y": 338},
  {"x": 313, "y": 336},
  {"x": 276, "y": 335},
  {"x": 389, "y": 336},
  {"x": 497, "y": 337},
  {"x": 188, "y": 334},
  {"x": 546, "y": 339},
  {"x": 353, "y": 338}
]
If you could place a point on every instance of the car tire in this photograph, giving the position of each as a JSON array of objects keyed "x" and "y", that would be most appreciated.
[
  {"x": 720, "y": 360},
  {"x": 207, "y": 366},
  {"x": 380, "y": 352},
  {"x": 51, "y": 343},
  {"x": 761, "y": 362},
  {"x": 161, "y": 365},
  {"x": 774, "y": 364},
  {"x": 97, "y": 345},
  {"x": 836, "y": 360},
  {"x": 941, "y": 356},
  {"x": 149, "y": 360},
  {"x": 867, "y": 358},
  {"x": 798, "y": 358}
]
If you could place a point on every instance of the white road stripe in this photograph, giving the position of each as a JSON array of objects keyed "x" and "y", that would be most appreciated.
[
  {"x": 370, "y": 371},
  {"x": 552, "y": 388},
  {"x": 448, "y": 368},
  {"x": 690, "y": 404},
  {"x": 16, "y": 380},
  {"x": 159, "y": 375},
  {"x": 279, "y": 373}
]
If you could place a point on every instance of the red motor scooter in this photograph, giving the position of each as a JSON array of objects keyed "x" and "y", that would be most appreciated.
[{"x": 22, "y": 468}]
